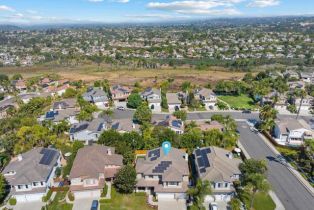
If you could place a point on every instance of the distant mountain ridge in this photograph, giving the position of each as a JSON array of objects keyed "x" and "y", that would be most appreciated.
[{"x": 9, "y": 27}]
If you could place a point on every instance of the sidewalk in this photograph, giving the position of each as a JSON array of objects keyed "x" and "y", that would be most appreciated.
[
  {"x": 279, "y": 205},
  {"x": 304, "y": 182}
]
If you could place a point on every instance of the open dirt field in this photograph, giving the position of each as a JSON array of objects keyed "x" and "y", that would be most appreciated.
[{"x": 146, "y": 77}]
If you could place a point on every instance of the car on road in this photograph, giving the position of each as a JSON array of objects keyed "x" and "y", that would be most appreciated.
[
  {"x": 213, "y": 206},
  {"x": 253, "y": 129},
  {"x": 94, "y": 205},
  {"x": 121, "y": 108},
  {"x": 246, "y": 111},
  {"x": 281, "y": 159}
]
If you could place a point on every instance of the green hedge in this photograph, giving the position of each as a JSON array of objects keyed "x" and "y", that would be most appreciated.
[
  {"x": 140, "y": 194},
  {"x": 12, "y": 201},
  {"x": 104, "y": 191},
  {"x": 71, "y": 196},
  {"x": 105, "y": 201},
  {"x": 48, "y": 196}
]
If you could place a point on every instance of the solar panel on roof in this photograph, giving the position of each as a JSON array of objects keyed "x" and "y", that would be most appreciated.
[
  {"x": 200, "y": 162},
  {"x": 154, "y": 154},
  {"x": 198, "y": 152},
  {"x": 50, "y": 114},
  {"x": 162, "y": 166},
  {"x": 204, "y": 157},
  {"x": 47, "y": 157}
]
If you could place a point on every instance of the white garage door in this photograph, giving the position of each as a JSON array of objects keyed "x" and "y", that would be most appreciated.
[
  {"x": 165, "y": 196},
  {"x": 87, "y": 194},
  {"x": 29, "y": 197}
]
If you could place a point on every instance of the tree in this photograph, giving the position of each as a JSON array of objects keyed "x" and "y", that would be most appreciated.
[
  {"x": 125, "y": 180},
  {"x": 268, "y": 115},
  {"x": 257, "y": 183},
  {"x": 199, "y": 191},
  {"x": 17, "y": 77},
  {"x": 235, "y": 204},
  {"x": 143, "y": 114},
  {"x": 180, "y": 114},
  {"x": 70, "y": 93},
  {"x": 252, "y": 166},
  {"x": 110, "y": 138},
  {"x": 134, "y": 100},
  {"x": 2, "y": 188}
]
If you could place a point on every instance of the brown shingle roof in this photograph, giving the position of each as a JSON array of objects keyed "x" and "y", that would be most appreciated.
[{"x": 91, "y": 160}]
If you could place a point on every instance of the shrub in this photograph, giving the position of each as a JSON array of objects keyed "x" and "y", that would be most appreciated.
[
  {"x": 71, "y": 196},
  {"x": 47, "y": 197},
  {"x": 105, "y": 201},
  {"x": 12, "y": 201},
  {"x": 104, "y": 191},
  {"x": 140, "y": 194}
]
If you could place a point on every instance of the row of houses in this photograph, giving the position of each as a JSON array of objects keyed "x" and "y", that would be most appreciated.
[{"x": 31, "y": 174}]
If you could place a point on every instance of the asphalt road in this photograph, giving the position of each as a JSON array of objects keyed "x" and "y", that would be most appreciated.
[{"x": 289, "y": 190}]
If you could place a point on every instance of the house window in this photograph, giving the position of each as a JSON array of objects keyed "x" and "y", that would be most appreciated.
[
  {"x": 19, "y": 187},
  {"x": 173, "y": 183},
  {"x": 90, "y": 181},
  {"x": 42, "y": 183},
  {"x": 226, "y": 185},
  {"x": 35, "y": 183},
  {"x": 26, "y": 186},
  {"x": 219, "y": 185},
  {"x": 151, "y": 176}
]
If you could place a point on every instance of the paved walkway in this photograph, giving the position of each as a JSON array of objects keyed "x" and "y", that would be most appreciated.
[{"x": 108, "y": 195}]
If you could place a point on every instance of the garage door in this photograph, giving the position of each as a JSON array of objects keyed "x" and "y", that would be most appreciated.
[
  {"x": 165, "y": 196},
  {"x": 29, "y": 197},
  {"x": 87, "y": 194}
]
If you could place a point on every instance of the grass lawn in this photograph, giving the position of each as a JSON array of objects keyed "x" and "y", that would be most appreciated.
[
  {"x": 239, "y": 102},
  {"x": 125, "y": 202},
  {"x": 59, "y": 202},
  {"x": 263, "y": 202}
]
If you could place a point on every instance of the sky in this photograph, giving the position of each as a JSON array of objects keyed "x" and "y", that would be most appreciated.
[{"x": 122, "y": 11}]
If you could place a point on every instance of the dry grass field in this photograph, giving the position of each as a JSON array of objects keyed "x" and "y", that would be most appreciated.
[{"x": 146, "y": 77}]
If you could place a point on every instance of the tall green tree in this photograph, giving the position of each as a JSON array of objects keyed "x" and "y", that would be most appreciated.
[
  {"x": 143, "y": 114},
  {"x": 125, "y": 179},
  {"x": 134, "y": 100},
  {"x": 199, "y": 191}
]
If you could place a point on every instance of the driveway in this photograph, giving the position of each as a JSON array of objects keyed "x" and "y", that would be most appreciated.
[
  {"x": 35, "y": 205},
  {"x": 83, "y": 203},
  {"x": 171, "y": 204}
]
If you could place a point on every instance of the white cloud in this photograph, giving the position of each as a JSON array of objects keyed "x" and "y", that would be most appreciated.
[
  {"x": 218, "y": 12},
  {"x": 264, "y": 3},
  {"x": 195, "y": 7},
  {"x": 95, "y": 1},
  {"x": 6, "y": 8}
]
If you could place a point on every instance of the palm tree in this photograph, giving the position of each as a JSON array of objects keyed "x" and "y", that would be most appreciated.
[
  {"x": 257, "y": 183},
  {"x": 301, "y": 94},
  {"x": 199, "y": 191}
]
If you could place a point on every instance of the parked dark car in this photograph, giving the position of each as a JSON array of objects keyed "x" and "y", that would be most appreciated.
[
  {"x": 94, "y": 205},
  {"x": 246, "y": 111}
]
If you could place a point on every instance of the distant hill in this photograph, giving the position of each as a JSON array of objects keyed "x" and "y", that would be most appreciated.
[{"x": 8, "y": 27}]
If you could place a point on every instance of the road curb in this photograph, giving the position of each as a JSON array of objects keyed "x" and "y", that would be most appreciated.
[
  {"x": 272, "y": 194},
  {"x": 299, "y": 177}
]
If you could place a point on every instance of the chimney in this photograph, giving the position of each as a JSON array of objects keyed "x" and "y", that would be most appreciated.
[
  {"x": 19, "y": 157},
  {"x": 109, "y": 151}
]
